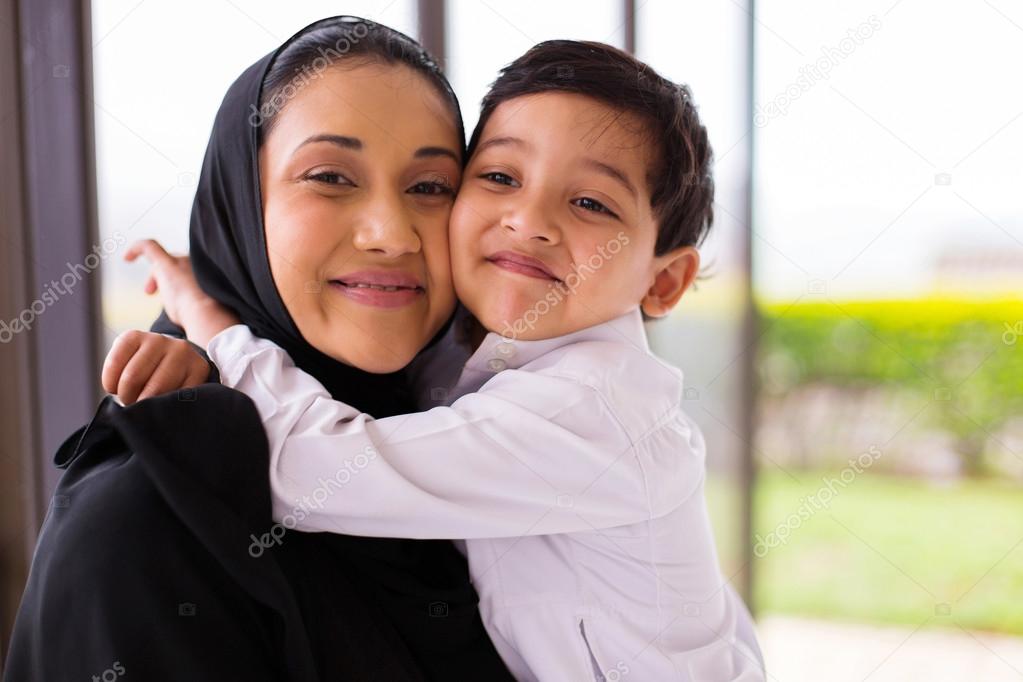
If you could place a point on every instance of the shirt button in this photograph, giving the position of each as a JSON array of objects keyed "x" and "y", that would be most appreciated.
[
  {"x": 497, "y": 365},
  {"x": 505, "y": 349}
]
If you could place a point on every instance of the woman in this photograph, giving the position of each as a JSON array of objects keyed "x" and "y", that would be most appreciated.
[{"x": 324, "y": 199}]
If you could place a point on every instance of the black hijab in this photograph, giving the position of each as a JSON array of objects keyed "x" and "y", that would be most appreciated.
[{"x": 228, "y": 242}]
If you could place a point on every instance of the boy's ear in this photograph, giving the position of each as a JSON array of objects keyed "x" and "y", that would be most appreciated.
[{"x": 675, "y": 271}]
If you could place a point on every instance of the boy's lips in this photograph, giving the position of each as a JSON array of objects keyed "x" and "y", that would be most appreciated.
[
  {"x": 379, "y": 288},
  {"x": 522, "y": 264}
]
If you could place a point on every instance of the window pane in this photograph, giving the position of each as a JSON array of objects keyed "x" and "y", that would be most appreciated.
[
  {"x": 704, "y": 45},
  {"x": 484, "y": 36},
  {"x": 889, "y": 266}
]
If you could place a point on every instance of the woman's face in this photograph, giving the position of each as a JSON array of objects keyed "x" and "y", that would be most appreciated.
[{"x": 358, "y": 176}]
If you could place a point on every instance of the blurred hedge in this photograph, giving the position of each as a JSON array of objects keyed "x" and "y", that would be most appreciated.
[{"x": 966, "y": 356}]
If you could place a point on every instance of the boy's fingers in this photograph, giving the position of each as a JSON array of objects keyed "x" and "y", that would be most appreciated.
[
  {"x": 137, "y": 373},
  {"x": 180, "y": 367},
  {"x": 198, "y": 373},
  {"x": 151, "y": 286},
  {"x": 122, "y": 350},
  {"x": 168, "y": 376},
  {"x": 151, "y": 249}
]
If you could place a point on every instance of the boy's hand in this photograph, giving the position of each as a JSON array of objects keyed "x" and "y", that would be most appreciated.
[
  {"x": 186, "y": 304},
  {"x": 170, "y": 276},
  {"x": 144, "y": 364}
]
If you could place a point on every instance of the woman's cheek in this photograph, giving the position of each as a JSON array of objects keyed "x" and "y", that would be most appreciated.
[
  {"x": 296, "y": 254},
  {"x": 436, "y": 247}
]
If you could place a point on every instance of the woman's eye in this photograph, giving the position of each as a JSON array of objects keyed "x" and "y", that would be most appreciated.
[
  {"x": 432, "y": 188},
  {"x": 500, "y": 178},
  {"x": 595, "y": 206},
  {"x": 329, "y": 178}
]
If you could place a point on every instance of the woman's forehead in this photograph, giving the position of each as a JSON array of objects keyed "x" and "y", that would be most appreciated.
[{"x": 381, "y": 104}]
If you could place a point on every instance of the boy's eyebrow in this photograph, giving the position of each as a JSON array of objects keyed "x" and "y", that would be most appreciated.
[
  {"x": 504, "y": 140},
  {"x": 613, "y": 173},
  {"x": 599, "y": 166}
]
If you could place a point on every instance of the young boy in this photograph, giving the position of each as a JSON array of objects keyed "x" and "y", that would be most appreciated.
[{"x": 563, "y": 457}]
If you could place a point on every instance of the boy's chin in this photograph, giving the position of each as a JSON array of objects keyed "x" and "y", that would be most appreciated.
[{"x": 526, "y": 323}]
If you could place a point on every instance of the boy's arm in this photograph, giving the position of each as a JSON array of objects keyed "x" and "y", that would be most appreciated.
[{"x": 527, "y": 455}]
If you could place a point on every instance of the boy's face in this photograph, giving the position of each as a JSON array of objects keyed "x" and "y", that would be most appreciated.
[{"x": 552, "y": 230}]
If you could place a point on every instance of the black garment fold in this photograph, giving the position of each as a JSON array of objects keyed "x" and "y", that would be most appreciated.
[{"x": 143, "y": 562}]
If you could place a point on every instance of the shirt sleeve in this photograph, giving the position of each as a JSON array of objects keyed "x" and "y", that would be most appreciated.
[{"x": 529, "y": 454}]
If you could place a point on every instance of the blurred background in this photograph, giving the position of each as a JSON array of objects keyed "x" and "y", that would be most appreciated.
[{"x": 854, "y": 352}]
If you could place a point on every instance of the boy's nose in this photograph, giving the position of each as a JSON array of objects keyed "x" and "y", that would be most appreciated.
[{"x": 530, "y": 221}]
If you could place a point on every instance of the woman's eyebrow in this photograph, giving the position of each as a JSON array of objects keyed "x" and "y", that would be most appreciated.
[
  {"x": 432, "y": 152},
  {"x": 355, "y": 144},
  {"x": 343, "y": 141}
]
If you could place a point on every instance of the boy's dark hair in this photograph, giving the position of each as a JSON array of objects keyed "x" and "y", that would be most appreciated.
[{"x": 680, "y": 181}]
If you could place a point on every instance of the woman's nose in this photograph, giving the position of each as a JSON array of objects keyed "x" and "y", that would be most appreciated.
[{"x": 386, "y": 227}]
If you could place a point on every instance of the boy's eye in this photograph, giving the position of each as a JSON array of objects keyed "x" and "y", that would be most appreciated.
[
  {"x": 329, "y": 178},
  {"x": 500, "y": 178},
  {"x": 432, "y": 188},
  {"x": 594, "y": 205}
]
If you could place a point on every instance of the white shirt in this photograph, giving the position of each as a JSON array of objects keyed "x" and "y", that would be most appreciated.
[{"x": 570, "y": 469}]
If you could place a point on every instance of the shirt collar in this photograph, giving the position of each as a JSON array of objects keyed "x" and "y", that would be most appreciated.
[{"x": 497, "y": 353}]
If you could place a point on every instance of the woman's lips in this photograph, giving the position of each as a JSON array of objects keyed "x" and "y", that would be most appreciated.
[
  {"x": 522, "y": 264},
  {"x": 379, "y": 288}
]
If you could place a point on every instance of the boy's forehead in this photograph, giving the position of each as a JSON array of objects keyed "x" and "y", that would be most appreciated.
[{"x": 572, "y": 123}]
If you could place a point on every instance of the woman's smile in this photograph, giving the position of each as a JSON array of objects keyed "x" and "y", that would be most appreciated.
[{"x": 380, "y": 288}]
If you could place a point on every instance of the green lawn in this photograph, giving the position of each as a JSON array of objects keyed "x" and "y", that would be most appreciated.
[{"x": 892, "y": 550}]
